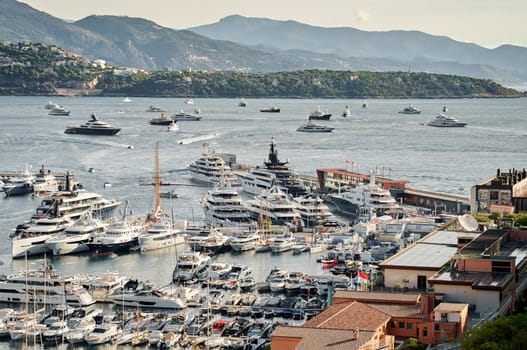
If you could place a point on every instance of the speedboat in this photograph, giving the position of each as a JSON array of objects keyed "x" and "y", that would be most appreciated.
[
  {"x": 190, "y": 266},
  {"x": 318, "y": 114},
  {"x": 189, "y": 101},
  {"x": 272, "y": 109},
  {"x": 210, "y": 168},
  {"x": 346, "y": 112},
  {"x": 155, "y": 109},
  {"x": 59, "y": 111},
  {"x": 312, "y": 127},
  {"x": 161, "y": 120},
  {"x": 410, "y": 110},
  {"x": 445, "y": 121},
  {"x": 242, "y": 103},
  {"x": 182, "y": 116},
  {"x": 94, "y": 126}
]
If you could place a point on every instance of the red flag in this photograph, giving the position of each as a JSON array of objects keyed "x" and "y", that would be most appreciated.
[
  {"x": 362, "y": 276},
  {"x": 347, "y": 161}
]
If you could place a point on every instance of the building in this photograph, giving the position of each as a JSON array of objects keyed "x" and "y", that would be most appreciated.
[{"x": 506, "y": 192}]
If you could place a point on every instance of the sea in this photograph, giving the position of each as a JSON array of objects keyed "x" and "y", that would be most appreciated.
[{"x": 376, "y": 138}]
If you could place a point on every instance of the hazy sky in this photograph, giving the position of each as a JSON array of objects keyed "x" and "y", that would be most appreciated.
[{"x": 489, "y": 23}]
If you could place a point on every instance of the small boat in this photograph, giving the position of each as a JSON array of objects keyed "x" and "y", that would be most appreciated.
[
  {"x": 51, "y": 105},
  {"x": 127, "y": 99},
  {"x": 155, "y": 109},
  {"x": 59, "y": 110},
  {"x": 272, "y": 109},
  {"x": 346, "y": 112},
  {"x": 172, "y": 127},
  {"x": 317, "y": 114},
  {"x": 189, "y": 101},
  {"x": 185, "y": 116},
  {"x": 313, "y": 127},
  {"x": 410, "y": 110},
  {"x": 364, "y": 105},
  {"x": 242, "y": 103},
  {"x": 161, "y": 120}
]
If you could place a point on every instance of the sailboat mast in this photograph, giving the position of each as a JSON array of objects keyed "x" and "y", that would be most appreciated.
[{"x": 157, "y": 180}]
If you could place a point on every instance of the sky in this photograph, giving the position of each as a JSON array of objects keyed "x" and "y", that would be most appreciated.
[{"x": 489, "y": 23}]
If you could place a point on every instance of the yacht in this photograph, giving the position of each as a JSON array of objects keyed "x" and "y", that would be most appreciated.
[
  {"x": 366, "y": 197},
  {"x": 275, "y": 206},
  {"x": 245, "y": 241},
  {"x": 318, "y": 114},
  {"x": 210, "y": 168},
  {"x": 161, "y": 120},
  {"x": 148, "y": 297},
  {"x": 44, "y": 287},
  {"x": 443, "y": 120},
  {"x": 346, "y": 112},
  {"x": 59, "y": 110},
  {"x": 119, "y": 237},
  {"x": 197, "y": 240},
  {"x": 282, "y": 244},
  {"x": 313, "y": 127},
  {"x": 182, "y": 116},
  {"x": 104, "y": 332},
  {"x": 223, "y": 206},
  {"x": 51, "y": 105},
  {"x": 20, "y": 184},
  {"x": 272, "y": 109},
  {"x": 190, "y": 266},
  {"x": 189, "y": 101},
  {"x": 32, "y": 239},
  {"x": 45, "y": 182},
  {"x": 410, "y": 110},
  {"x": 75, "y": 238},
  {"x": 313, "y": 210},
  {"x": 274, "y": 171},
  {"x": 94, "y": 126},
  {"x": 242, "y": 103},
  {"x": 155, "y": 109}
]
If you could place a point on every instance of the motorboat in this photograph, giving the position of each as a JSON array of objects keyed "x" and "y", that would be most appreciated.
[
  {"x": 369, "y": 196},
  {"x": 242, "y": 103},
  {"x": 189, "y": 101},
  {"x": 318, "y": 114},
  {"x": 346, "y": 112},
  {"x": 148, "y": 297},
  {"x": 313, "y": 127},
  {"x": 190, "y": 266},
  {"x": 245, "y": 241},
  {"x": 59, "y": 110},
  {"x": 172, "y": 127},
  {"x": 104, "y": 332},
  {"x": 442, "y": 120},
  {"x": 410, "y": 110},
  {"x": 75, "y": 238},
  {"x": 272, "y": 109},
  {"x": 20, "y": 184},
  {"x": 182, "y": 116},
  {"x": 94, "y": 126},
  {"x": 51, "y": 105},
  {"x": 45, "y": 182},
  {"x": 161, "y": 120},
  {"x": 276, "y": 207},
  {"x": 210, "y": 168},
  {"x": 43, "y": 286},
  {"x": 223, "y": 206},
  {"x": 119, "y": 237},
  {"x": 312, "y": 209},
  {"x": 282, "y": 244},
  {"x": 274, "y": 171},
  {"x": 155, "y": 109}
]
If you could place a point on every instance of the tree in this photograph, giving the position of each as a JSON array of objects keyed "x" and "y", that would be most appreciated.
[{"x": 504, "y": 333}]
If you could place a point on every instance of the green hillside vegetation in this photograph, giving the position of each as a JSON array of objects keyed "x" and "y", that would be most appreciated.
[{"x": 34, "y": 69}]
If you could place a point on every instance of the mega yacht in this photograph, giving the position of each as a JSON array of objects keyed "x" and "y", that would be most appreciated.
[
  {"x": 445, "y": 121},
  {"x": 313, "y": 210},
  {"x": 244, "y": 241},
  {"x": 318, "y": 114},
  {"x": 119, "y": 237},
  {"x": 274, "y": 206},
  {"x": 223, "y": 206},
  {"x": 94, "y": 126},
  {"x": 366, "y": 197},
  {"x": 273, "y": 171},
  {"x": 210, "y": 168},
  {"x": 190, "y": 267},
  {"x": 45, "y": 182},
  {"x": 75, "y": 238},
  {"x": 43, "y": 287}
]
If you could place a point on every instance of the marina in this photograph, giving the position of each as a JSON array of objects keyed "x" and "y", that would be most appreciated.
[{"x": 113, "y": 161}]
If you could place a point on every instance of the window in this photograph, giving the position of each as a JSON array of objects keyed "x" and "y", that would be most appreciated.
[
  {"x": 401, "y": 324},
  {"x": 425, "y": 332},
  {"x": 409, "y": 325}
]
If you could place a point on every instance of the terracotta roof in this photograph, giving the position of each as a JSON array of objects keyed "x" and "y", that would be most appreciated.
[
  {"x": 450, "y": 307},
  {"x": 378, "y": 297},
  {"x": 349, "y": 316},
  {"x": 409, "y": 311},
  {"x": 315, "y": 338}
]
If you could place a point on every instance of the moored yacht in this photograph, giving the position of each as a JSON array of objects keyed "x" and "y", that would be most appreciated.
[
  {"x": 282, "y": 244},
  {"x": 210, "y": 168},
  {"x": 20, "y": 184},
  {"x": 244, "y": 241},
  {"x": 276, "y": 207},
  {"x": 45, "y": 182},
  {"x": 148, "y": 297},
  {"x": 313, "y": 210},
  {"x": 119, "y": 237},
  {"x": 190, "y": 266}
]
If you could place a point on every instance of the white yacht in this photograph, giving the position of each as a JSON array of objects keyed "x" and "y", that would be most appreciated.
[
  {"x": 275, "y": 206},
  {"x": 346, "y": 112},
  {"x": 43, "y": 287},
  {"x": 410, "y": 110},
  {"x": 51, "y": 105},
  {"x": 282, "y": 244},
  {"x": 183, "y": 116},
  {"x": 148, "y": 298},
  {"x": 318, "y": 114},
  {"x": 45, "y": 182},
  {"x": 313, "y": 127},
  {"x": 197, "y": 240},
  {"x": 104, "y": 332},
  {"x": 444, "y": 121},
  {"x": 155, "y": 109},
  {"x": 20, "y": 184},
  {"x": 244, "y": 241},
  {"x": 75, "y": 238},
  {"x": 273, "y": 171},
  {"x": 313, "y": 210},
  {"x": 210, "y": 168},
  {"x": 59, "y": 110},
  {"x": 119, "y": 237},
  {"x": 32, "y": 239},
  {"x": 366, "y": 197},
  {"x": 223, "y": 206},
  {"x": 190, "y": 266}
]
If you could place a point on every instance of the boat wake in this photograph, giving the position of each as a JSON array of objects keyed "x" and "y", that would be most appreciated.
[{"x": 199, "y": 137}]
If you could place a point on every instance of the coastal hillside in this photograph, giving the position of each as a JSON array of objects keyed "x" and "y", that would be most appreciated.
[
  {"x": 36, "y": 69},
  {"x": 258, "y": 45}
]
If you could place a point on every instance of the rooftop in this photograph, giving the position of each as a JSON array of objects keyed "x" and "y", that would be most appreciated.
[
  {"x": 316, "y": 338},
  {"x": 378, "y": 297},
  {"x": 421, "y": 256},
  {"x": 450, "y": 307}
]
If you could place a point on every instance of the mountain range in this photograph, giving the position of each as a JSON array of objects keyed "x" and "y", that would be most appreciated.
[{"x": 259, "y": 45}]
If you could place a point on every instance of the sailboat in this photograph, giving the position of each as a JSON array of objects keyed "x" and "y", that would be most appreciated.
[{"x": 161, "y": 233}]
